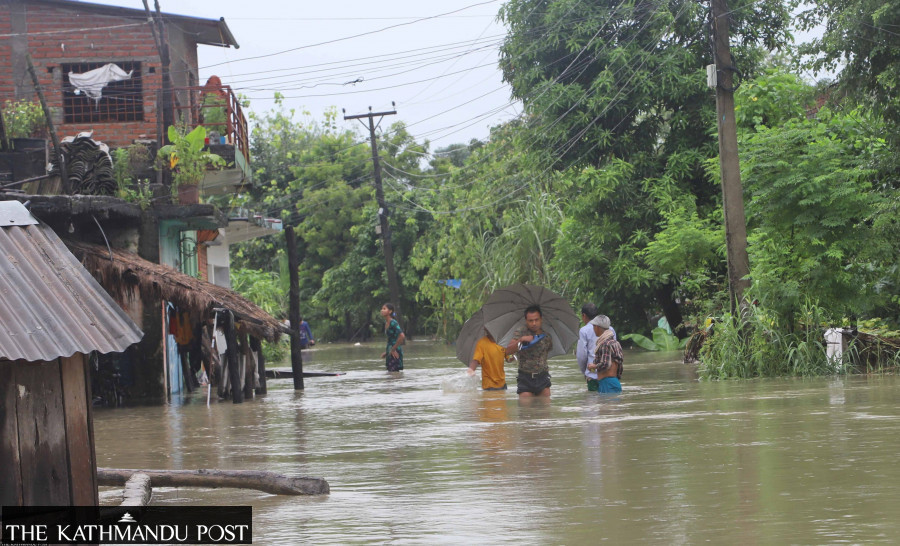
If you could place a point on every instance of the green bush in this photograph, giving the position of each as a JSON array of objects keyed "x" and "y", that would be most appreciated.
[
  {"x": 756, "y": 344},
  {"x": 661, "y": 341},
  {"x": 24, "y": 119}
]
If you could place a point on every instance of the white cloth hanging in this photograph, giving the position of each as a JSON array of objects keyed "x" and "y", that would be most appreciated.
[{"x": 92, "y": 82}]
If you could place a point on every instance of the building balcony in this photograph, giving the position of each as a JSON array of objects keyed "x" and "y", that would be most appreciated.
[{"x": 216, "y": 108}]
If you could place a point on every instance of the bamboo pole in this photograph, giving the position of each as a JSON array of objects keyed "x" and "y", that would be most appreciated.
[
  {"x": 269, "y": 482},
  {"x": 63, "y": 173}
]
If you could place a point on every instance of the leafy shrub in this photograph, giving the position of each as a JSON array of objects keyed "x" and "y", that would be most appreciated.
[
  {"x": 24, "y": 119},
  {"x": 757, "y": 344},
  {"x": 661, "y": 341}
]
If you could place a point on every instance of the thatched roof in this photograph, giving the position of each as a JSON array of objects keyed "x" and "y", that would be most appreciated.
[{"x": 126, "y": 271}]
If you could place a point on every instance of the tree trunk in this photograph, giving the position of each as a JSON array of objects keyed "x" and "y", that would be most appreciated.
[{"x": 245, "y": 479}]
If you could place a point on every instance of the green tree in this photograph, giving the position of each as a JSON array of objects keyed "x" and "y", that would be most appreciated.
[
  {"x": 616, "y": 101},
  {"x": 861, "y": 42}
]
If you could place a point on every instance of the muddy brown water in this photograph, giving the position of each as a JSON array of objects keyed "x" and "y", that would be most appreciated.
[{"x": 669, "y": 461}]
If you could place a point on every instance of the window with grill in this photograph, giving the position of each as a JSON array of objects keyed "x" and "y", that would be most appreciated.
[{"x": 120, "y": 101}]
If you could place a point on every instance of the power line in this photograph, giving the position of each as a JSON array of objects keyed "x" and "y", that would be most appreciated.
[{"x": 357, "y": 35}]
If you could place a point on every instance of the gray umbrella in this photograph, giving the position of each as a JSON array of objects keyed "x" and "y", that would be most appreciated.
[
  {"x": 471, "y": 332},
  {"x": 504, "y": 313}
]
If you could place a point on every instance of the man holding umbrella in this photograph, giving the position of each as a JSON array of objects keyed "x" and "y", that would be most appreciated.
[{"x": 532, "y": 347}]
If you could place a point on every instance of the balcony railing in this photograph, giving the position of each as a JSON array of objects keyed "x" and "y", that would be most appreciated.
[{"x": 216, "y": 108}]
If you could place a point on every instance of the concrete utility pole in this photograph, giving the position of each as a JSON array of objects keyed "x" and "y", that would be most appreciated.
[
  {"x": 393, "y": 285},
  {"x": 732, "y": 192}
]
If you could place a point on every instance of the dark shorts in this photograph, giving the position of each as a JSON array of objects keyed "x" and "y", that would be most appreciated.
[
  {"x": 533, "y": 383},
  {"x": 593, "y": 385}
]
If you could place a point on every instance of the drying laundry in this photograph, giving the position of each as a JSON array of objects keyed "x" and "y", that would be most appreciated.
[{"x": 92, "y": 82}]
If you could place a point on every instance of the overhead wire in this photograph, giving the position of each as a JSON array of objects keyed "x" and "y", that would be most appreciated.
[{"x": 574, "y": 139}]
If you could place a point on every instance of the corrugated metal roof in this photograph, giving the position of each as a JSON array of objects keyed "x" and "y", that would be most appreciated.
[{"x": 50, "y": 306}]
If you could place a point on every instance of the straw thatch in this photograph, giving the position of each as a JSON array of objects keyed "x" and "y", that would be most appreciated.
[{"x": 126, "y": 271}]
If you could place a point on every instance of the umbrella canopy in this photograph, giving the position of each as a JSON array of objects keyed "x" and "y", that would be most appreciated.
[
  {"x": 504, "y": 313},
  {"x": 471, "y": 332}
]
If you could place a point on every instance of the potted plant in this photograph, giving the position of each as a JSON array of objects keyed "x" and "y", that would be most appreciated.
[
  {"x": 25, "y": 125},
  {"x": 188, "y": 161}
]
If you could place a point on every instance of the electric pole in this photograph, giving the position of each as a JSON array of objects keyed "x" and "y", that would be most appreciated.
[
  {"x": 393, "y": 285},
  {"x": 732, "y": 192}
]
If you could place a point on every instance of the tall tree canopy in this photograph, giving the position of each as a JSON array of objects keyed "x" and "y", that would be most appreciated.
[{"x": 615, "y": 96}]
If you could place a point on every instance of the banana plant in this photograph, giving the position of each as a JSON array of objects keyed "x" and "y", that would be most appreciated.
[{"x": 661, "y": 341}]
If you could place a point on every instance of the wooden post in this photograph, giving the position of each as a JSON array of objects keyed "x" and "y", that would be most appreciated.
[
  {"x": 185, "y": 369},
  {"x": 294, "y": 312},
  {"x": 157, "y": 27},
  {"x": 11, "y": 478},
  {"x": 256, "y": 345},
  {"x": 63, "y": 173},
  {"x": 732, "y": 192},
  {"x": 231, "y": 353},
  {"x": 249, "y": 366},
  {"x": 75, "y": 383}
]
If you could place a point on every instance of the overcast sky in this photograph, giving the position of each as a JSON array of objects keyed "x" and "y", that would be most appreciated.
[{"x": 436, "y": 60}]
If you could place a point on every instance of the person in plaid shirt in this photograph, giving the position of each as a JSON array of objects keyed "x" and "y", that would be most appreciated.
[{"x": 608, "y": 360}]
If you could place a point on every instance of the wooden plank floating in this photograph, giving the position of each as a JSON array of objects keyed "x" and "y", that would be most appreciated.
[
  {"x": 289, "y": 374},
  {"x": 268, "y": 482},
  {"x": 137, "y": 490}
]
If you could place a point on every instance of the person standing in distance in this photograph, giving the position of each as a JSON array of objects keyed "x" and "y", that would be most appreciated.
[
  {"x": 534, "y": 372},
  {"x": 587, "y": 344},
  {"x": 393, "y": 354}
]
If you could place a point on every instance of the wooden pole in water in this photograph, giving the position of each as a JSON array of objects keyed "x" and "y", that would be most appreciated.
[
  {"x": 290, "y": 240},
  {"x": 231, "y": 353},
  {"x": 256, "y": 345},
  {"x": 246, "y": 479},
  {"x": 249, "y": 365}
]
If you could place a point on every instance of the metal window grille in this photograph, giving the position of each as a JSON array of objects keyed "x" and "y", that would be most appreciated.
[{"x": 121, "y": 101}]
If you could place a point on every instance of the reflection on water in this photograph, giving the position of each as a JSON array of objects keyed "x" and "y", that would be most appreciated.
[{"x": 670, "y": 460}]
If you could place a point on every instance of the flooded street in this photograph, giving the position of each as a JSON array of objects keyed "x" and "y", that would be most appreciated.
[{"x": 670, "y": 460}]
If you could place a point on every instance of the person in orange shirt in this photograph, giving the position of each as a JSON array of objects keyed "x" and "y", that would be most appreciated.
[{"x": 491, "y": 358}]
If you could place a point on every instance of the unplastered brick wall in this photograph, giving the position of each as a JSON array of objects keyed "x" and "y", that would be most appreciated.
[{"x": 57, "y": 36}]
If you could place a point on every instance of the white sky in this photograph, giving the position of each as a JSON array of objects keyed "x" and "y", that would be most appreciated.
[
  {"x": 456, "y": 54},
  {"x": 441, "y": 71}
]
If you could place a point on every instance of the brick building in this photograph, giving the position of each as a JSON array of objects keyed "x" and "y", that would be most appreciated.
[{"x": 65, "y": 36}]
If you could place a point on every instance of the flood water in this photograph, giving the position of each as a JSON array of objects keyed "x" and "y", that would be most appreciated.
[{"x": 670, "y": 461}]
